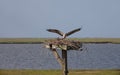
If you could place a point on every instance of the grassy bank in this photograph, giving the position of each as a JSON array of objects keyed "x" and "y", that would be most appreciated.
[
  {"x": 58, "y": 72},
  {"x": 41, "y": 40},
  {"x": 98, "y": 40},
  {"x": 21, "y": 40}
]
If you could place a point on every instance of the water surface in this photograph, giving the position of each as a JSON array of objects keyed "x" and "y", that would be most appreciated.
[{"x": 35, "y": 56}]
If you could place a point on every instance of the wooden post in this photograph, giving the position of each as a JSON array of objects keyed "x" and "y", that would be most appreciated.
[
  {"x": 63, "y": 61},
  {"x": 64, "y": 65},
  {"x": 55, "y": 53}
]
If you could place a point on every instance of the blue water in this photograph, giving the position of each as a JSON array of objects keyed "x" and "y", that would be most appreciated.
[{"x": 35, "y": 56}]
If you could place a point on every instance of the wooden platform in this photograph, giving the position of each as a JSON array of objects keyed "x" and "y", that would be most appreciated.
[{"x": 63, "y": 44}]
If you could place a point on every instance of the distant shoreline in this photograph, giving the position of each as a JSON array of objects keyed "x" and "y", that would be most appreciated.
[{"x": 42, "y": 40}]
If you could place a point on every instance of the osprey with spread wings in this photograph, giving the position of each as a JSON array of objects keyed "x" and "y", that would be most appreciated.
[{"x": 64, "y": 35}]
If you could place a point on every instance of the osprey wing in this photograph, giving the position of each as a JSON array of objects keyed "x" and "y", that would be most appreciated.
[
  {"x": 56, "y": 31},
  {"x": 73, "y": 31}
]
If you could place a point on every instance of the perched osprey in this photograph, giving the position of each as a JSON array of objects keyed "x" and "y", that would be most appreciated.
[{"x": 64, "y": 35}]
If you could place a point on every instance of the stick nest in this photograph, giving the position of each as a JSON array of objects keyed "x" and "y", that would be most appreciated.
[{"x": 70, "y": 43}]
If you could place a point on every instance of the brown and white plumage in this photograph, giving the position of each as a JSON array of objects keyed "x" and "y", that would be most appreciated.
[
  {"x": 56, "y": 31},
  {"x": 64, "y": 35}
]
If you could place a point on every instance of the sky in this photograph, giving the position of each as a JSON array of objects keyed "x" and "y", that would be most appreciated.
[{"x": 31, "y": 18}]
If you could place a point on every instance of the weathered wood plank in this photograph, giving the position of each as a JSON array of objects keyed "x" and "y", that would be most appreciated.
[{"x": 64, "y": 47}]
